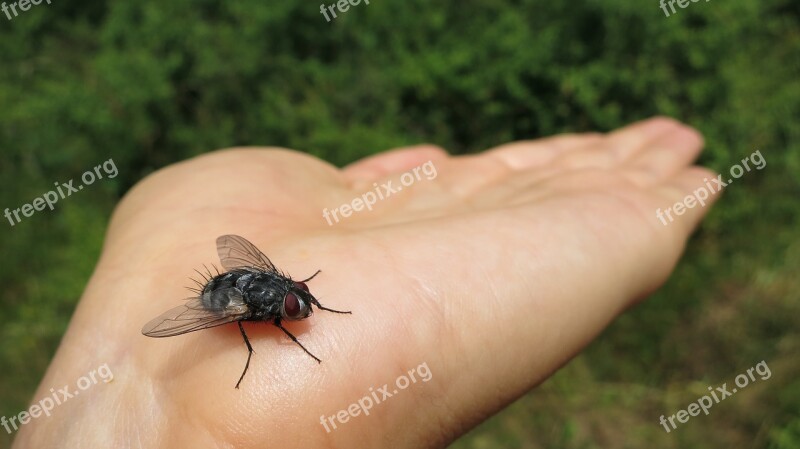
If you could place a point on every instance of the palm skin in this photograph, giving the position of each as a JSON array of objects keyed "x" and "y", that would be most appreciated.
[{"x": 493, "y": 274}]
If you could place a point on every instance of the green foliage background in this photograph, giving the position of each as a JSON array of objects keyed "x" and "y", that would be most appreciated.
[{"x": 148, "y": 83}]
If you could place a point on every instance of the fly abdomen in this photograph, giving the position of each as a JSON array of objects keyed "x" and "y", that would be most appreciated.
[
  {"x": 221, "y": 291},
  {"x": 220, "y": 299}
]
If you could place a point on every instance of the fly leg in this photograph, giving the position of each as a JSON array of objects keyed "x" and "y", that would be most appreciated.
[
  {"x": 249, "y": 353},
  {"x": 277, "y": 322}
]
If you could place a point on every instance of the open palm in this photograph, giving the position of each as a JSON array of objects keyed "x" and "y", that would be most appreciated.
[{"x": 474, "y": 285}]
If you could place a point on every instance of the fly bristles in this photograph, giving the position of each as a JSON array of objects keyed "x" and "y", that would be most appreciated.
[
  {"x": 199, "y": 284},
  {"x": 202, "y": 275}
]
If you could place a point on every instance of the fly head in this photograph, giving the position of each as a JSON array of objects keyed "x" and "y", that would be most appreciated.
[{"x": 297, "y": 302}]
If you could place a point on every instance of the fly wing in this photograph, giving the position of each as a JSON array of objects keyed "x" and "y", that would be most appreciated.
[
  {"x": 236, "y": 252},
  {"x": 193, "y": 316}
]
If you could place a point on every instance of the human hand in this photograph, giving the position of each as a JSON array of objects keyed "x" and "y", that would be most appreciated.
[{"x": 493, "y": 274}]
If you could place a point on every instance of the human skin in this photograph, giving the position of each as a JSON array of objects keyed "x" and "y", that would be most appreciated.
[{"x": 494, "y": 273}]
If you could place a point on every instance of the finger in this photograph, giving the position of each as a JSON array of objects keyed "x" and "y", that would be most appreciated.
[
  {"x": 536, "y": 153},
  {"x": 666, "y": 155},
  {"x": 618, "y": 146},
  {"x": 382, "y": 165},
  {"x": 628, "y": 141},
  {"x": 468, "y": 174}
]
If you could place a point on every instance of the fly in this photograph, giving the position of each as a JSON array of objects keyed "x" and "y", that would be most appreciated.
[{"x": 252, "y": 289}]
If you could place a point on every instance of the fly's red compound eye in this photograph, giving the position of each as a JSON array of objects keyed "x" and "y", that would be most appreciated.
[
  {"x": 291, "y": 305},
  {"x": 301, "y": 285}
]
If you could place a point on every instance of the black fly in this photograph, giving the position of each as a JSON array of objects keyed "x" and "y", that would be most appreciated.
[{"x": 251, "y": 290}]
